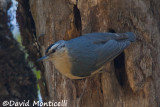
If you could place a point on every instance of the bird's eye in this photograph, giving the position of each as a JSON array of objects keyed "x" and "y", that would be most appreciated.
[
  {"x": 63, "y": 46},
  {"x": 53, "y": 50}
]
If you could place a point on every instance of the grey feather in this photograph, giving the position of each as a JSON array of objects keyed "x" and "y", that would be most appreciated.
[
  {"x": 109, "y": 51},
  {"x": 83, "y": 56}
]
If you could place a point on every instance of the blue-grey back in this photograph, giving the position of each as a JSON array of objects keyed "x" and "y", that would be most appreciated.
[{"x": 91, "y": 51}]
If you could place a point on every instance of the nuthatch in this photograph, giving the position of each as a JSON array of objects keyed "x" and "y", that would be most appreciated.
[{"x": 86, "y": 55}]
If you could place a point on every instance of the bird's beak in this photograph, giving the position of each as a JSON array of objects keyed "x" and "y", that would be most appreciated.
[{"x": 42, "y": 58}]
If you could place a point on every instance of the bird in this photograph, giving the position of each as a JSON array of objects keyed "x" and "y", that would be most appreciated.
[{"x": 88, "y": 54}]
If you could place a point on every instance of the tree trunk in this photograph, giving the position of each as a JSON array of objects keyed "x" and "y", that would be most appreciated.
[
  {"x": 17, "y": 82},
  {"x": 131, "y": 80}
]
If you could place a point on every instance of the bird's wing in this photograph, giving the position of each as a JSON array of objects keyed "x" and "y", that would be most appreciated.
[
  {"x": 109, "y": 51},
  {"x": 99, "y": 37}
]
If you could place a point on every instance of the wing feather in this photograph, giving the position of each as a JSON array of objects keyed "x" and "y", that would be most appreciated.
[
  {"x": 99, "y": 37},
  {"x": 109, "y": 51}
]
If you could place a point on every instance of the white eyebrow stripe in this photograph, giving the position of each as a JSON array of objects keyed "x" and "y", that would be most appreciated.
[{"x": 54, "y": 46}]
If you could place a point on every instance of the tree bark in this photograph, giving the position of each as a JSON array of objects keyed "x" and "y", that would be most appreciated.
[
  {"x": 17, "y": 81},
  {"x": 132, "y": 79}
]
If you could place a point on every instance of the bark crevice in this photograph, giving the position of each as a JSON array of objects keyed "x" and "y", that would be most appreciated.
[
  {"x": 119, "y": 64},
  {"x": 77, "y": 18}
]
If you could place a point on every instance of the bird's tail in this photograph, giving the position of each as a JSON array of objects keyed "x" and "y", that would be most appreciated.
[{"x": 131, "y": 36}]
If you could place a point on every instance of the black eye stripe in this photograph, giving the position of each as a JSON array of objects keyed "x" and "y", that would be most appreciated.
[
  {"x": 53, "y": 50},
  {"x": 63, "y": 46},
  {"x": 49, "y": 50}
]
